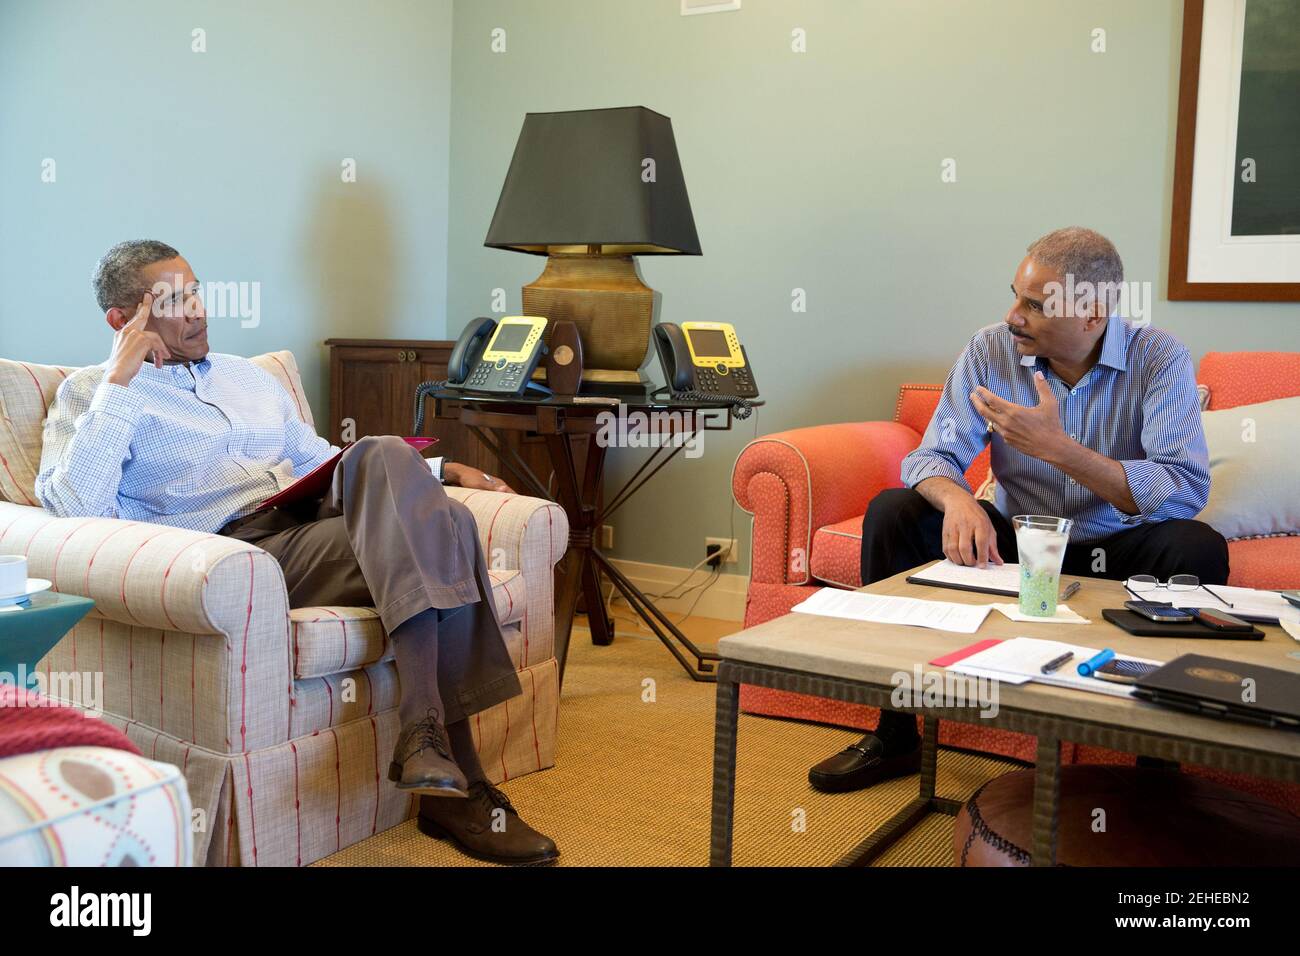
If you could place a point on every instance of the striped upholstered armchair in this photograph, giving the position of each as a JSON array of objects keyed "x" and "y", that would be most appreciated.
[{"x": 281, "y": 720}]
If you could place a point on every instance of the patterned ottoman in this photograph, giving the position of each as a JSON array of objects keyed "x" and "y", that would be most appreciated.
[{"x": 92, "y": 806}]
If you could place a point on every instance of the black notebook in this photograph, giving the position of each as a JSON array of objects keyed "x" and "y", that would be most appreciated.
[{"x": 1217, "y": 687}]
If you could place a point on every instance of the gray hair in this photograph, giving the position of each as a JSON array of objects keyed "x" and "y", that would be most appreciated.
[
  {"x": 1087, "y": 255},
  {"x": 116, "y": 278}
]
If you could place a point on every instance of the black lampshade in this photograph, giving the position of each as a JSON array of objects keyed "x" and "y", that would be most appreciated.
[{"x": 576, "y": 180}]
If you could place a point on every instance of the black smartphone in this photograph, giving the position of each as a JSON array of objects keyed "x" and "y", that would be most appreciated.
[
  {"x": 1123, "y": 671},
  {"x": 1155, "y": 611},
  {"x": 1219, "y": 620}
]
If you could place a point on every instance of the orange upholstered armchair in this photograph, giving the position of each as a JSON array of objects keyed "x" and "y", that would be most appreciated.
[{"x": 808, "y": 490}]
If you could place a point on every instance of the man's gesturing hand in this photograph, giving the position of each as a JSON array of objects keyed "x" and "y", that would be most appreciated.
[
  {"x": 133, "y": 344},
  {"x": 968, "y": 535},
  {"x": 1035, "y": 431}
]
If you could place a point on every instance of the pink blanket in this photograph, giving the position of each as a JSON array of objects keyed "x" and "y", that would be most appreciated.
[{"x": 30, "y": 722}]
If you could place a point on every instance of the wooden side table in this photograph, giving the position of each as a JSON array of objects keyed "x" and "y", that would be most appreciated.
[{"x": 561, "y": 420}]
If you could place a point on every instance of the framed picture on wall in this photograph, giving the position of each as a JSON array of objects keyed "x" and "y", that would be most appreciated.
[{"x": 1235, "y": 230}]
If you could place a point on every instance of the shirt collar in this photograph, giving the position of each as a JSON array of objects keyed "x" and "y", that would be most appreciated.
[
  {"x": 1114, "y": 347},
  {"x": 1114, "y": 344},
  {"x": 176, "y": 372}
]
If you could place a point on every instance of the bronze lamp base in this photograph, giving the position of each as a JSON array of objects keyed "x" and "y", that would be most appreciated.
[{"x": 611, "y": 307}]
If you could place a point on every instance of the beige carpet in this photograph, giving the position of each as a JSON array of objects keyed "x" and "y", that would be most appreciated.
[{"x": 631, "y": 785}]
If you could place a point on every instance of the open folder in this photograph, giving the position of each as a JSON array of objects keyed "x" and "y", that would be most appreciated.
[{"x": 316, "y": 482}]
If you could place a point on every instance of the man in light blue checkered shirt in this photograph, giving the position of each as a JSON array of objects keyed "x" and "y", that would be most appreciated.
[
  {"x": 165, "y": 431},
  {"x": 1087, "y": 418}
]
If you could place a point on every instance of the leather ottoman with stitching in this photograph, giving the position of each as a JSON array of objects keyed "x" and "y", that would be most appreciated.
[{"x": 1127, "y": 816}]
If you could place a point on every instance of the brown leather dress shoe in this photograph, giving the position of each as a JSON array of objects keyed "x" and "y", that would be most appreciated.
[
  {"x": 487, "y": 827},
  {"x": 422, "y": 761},
  {"x": 866, "y": 763}
]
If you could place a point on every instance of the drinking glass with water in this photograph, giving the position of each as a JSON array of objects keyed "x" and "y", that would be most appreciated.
[{"x": 1040, "y": 540}]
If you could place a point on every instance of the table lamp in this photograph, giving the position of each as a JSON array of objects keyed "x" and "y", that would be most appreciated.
[{"x": 591, "y": 189}]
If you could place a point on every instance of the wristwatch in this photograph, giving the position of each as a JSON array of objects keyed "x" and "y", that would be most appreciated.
[{"x": 442, "y": 471}]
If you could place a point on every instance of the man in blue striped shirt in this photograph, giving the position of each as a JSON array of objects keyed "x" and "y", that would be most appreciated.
[
  {"x": 1087, "y": 418},
  {"x": 166, "y": 431}
]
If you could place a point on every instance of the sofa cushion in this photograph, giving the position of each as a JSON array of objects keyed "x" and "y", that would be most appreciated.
[
  {"x": 331, "y": 640},
  {"x": 333, "y": 700},
  {"x": 1254, "y": 482},
  {"x": 27, "y": 390},
  {"x": 284, "y": 368},
  {"x": 1271, "y": 563},
  {"x": 837, "y": 553},
  {"x": 1244, "y": 378}
]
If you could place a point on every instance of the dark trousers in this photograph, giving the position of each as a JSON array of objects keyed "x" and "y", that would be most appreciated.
[
  {"x": 902, "y": 530},
  {"x": 387, "y": 536}
]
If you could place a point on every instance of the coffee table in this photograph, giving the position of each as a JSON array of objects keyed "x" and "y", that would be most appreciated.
[{"x": 856, "y": 661}]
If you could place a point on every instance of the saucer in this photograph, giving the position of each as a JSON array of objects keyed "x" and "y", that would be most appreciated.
[{"x": 34, "y": 586}]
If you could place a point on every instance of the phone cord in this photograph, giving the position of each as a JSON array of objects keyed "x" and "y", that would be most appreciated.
[
  {"x": 740, "y": 407},
  {"x": 422, "y": 391}
]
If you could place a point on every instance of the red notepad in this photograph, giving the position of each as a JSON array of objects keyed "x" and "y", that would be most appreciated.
[
  {"x": 952, "y": 657},
  {"x": 316, "y": 482}
]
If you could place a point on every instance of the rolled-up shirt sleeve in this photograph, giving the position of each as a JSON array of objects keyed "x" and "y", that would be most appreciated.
[
  {"x": 956, "y": 433},
  {"x": 86, "y": 444},
  {"x": 1173, "y": 480}
]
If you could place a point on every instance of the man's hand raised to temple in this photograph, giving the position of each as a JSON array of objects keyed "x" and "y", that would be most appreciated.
[
  {"x": 134, "y": 344},
  {"x": 464, "y": 476},
  {"x": 1035, "y": 431}
]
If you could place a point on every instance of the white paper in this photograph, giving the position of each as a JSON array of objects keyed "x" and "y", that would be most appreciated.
[
  {"x": 1005, "y": 577},
  {"x": 1021, "y": 659},
  {"x": 913, "y": 612},
  {"x": 1063, "y": 615},
  {"x": 1241, "y": 602}
]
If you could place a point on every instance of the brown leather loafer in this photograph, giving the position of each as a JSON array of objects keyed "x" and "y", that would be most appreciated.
[
  {"x": 422, "y": 761},
  {"x": 487, "y": 827},
  {"x": 865, "y": 764}
]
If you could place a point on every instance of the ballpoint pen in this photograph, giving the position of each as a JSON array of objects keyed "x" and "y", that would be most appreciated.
[{"x": 1056, "y": 662}]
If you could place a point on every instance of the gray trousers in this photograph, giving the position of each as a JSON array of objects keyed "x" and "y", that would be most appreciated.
[{"x": 387, "y": 536}]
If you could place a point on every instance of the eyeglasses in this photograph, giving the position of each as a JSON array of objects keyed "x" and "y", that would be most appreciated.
[{"x": 1140, "y": 584}]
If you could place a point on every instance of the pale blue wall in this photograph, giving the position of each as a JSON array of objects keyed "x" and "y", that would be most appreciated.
[
  {"x": 816, "y": 170},
  {"x": 821, "y": 171},
  {"x": 233, "y": 156}
]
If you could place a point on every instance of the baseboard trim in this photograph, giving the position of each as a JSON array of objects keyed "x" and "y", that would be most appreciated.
[{"x": 724, "y": 599}]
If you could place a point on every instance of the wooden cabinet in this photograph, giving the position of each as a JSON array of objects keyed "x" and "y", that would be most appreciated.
[{"x": 372, "y": 386}]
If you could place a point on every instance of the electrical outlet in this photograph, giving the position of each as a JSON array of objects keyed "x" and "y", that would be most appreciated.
[
  {"x": 607, "y": 536},
  {"x": 727, "y": 545}
]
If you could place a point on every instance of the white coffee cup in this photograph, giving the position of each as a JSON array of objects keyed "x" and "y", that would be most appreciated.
[{"x": 13, "y": 575}]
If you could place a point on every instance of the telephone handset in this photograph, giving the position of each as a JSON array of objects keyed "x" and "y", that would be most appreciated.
[
  {"x": 469, "y": 349},
  {"x": 704, "y": 359},
  {"x": 498, "y": 357}
]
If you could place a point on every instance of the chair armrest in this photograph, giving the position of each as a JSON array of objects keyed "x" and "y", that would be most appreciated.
[
  {"x": 516, "y": 532},
  {"x": 147, "y": 575},
  {"x": 529, "y": 535},
  {"x": 797, "y": 481}
]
